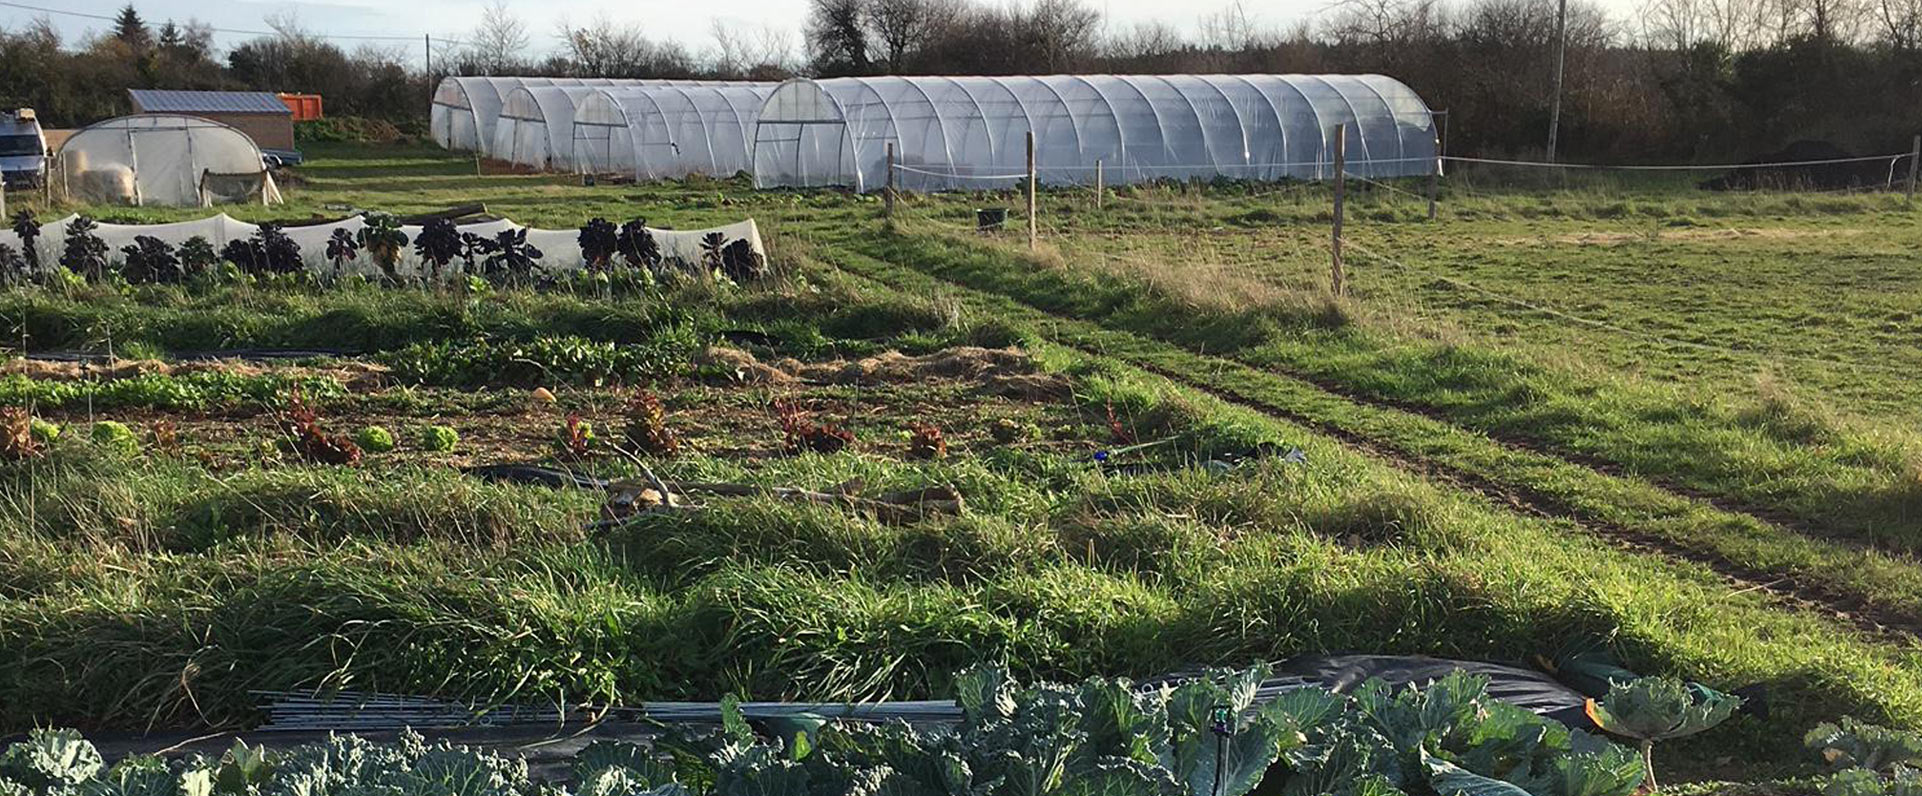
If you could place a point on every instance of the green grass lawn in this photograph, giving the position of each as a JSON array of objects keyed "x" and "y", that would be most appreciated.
[{"x": 1738, "y": 401}]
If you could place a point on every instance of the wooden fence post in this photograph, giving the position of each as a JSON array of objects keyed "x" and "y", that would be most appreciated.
[
  {"x": 887, "y": 196},
  {"x": 1915, "y": 154},
  {"x": 1434, "y": 180},
  {"x": 1100, "y": 184},
  {"x": 1031, "y": 224},
  {"x": 1335, "y": 276}
]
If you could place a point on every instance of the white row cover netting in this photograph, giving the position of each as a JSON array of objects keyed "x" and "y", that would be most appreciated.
[
  {"x": 662, "y": 132},
  {"x": 465, "y": 108},
  {"x": 560, "y": 248},
  {"x": 970, "y": 132},
  {"x": 162, "y": 159}
]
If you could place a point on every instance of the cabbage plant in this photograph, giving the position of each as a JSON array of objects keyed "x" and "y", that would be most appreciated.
[
  {"x": 1651, "y": 709},
  {"x": 1853, "y": 744},
  {"x": 1205, "y": 736}
]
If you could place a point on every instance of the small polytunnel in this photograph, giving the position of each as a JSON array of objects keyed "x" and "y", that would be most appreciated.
[
  {"x": 970, "y": 132},
  {"x": 664, "y": 132},
  {"x": 162, "y": 159}
]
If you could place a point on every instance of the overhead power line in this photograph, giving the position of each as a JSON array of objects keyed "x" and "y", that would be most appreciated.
[{"x": 236, "y": 31}]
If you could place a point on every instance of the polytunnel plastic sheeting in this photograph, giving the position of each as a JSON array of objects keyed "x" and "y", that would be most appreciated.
[
  {"x": 536, "y": 126},
  {"x": 560, "y": 248},
  {"x": 970, "y": 132},
  {"x": 157, "y": 159},
  {"x": 662, "y": 132},
  {"x": 465, "y": 108}
]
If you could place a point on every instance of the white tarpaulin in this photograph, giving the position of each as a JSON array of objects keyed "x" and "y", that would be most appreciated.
[
  {"x": 162, "y": 159},
  {"x": 560, "y": 248}
]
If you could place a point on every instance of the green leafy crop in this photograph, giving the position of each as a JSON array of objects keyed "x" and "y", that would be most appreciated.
[
  {"x": 374, "y": 439},
  {"x": 439, "y": 439},
  {"x": 1653, "y": 709},
  {"x": 115, "y": 436}
]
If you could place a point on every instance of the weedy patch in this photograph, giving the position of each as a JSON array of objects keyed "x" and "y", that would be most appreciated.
[{"x": 302, "y": 432}]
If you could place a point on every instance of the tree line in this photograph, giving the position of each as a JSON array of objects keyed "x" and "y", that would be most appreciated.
[{"x": 1681, "y": 79}]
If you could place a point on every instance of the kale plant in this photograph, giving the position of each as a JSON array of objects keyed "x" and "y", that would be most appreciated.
[
  {"x": 28, "y": 229},
  {"x": 741, "y": 263},
  {"x": 638, "y": 246},
  {"x": 85, "y": 253},
  {"x": 341, "y": 249},
  {"x": 598, "y": 240},
  {"x": 438, "y": 244},
  {"x": 383, "y": 240},
  {"x": 712, "y": 245},
  {"x": 196, "y": 256},
  {"x": 149, "y": 260},
  {"x": 508, "y": 259},
  {"x": 269, "y": 251},
  {"x": 13, "y": 270}
]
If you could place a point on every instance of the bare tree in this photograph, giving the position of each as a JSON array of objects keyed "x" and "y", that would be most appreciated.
[
  {"x": 602, "y": 48},
  {"x": 1063, "y": 32},
  {"x": 837, "y": 37},
  {"x": 899, "y": 27},
  {"x": 759, "y": 53},
  {"x": 496, "y": 45},
  {"x": 1900, "y": 22}
]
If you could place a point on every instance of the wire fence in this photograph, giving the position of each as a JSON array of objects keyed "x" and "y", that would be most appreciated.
[{"x": 1149, "y": 255}]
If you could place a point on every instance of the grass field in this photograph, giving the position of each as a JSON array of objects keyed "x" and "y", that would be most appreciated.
[{"x": 1670, "y": 424}]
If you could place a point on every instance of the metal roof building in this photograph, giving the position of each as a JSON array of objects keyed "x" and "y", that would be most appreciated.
[{"x": 260, "y": 114}]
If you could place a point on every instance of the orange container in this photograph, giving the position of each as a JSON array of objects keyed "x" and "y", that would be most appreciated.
[{"x": 306, "y": 107}]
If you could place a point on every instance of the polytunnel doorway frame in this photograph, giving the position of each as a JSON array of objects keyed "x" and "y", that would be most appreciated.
[{"x": 851, "y": 177}]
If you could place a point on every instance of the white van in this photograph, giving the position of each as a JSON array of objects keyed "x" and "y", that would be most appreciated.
[{"x": 23, "y": 149}]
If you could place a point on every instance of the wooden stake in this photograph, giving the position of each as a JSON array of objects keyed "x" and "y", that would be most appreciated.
[
  {"x": 1335, "y": 276},
  {"x": 1915, "y": 155},
  {"x": 1434, "y": 180},
  {"x": 888, "y": 195},
  {"x": 1031, "y": 233},
  {"x": 1100, "y": 184}
]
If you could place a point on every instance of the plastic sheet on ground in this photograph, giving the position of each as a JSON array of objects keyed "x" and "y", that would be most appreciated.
[{"x": 559, "y": 248}]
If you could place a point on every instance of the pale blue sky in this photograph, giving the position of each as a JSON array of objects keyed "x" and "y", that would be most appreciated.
[{"x": 687, "y": 22}]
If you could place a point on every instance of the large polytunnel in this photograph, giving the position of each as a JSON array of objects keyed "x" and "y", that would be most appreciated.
[
  {"x": 970, "y": 132},
  {"x": 663, "y": 132},
  {"x": 536, "y": 126},
  {"x": 465, "y": 108}
]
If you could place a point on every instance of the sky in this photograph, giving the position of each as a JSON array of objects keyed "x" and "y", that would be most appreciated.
[{"x": 688, "y": 22}]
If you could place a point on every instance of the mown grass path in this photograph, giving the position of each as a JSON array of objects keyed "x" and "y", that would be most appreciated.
[{"x": 1858, "y": 587}]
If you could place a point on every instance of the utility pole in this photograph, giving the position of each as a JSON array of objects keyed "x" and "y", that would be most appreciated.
[
  {"x": 428, "y": 40},
  {"x": 1561, "y": 59}
]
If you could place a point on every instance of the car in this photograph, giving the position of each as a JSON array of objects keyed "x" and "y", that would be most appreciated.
[{"x": 23, "y": 149}]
